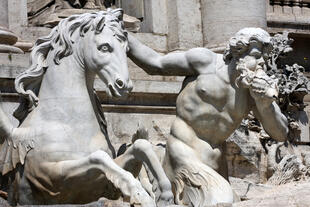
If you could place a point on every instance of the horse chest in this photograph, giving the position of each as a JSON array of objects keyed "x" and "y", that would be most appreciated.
[{"x": 63, "y": 138}]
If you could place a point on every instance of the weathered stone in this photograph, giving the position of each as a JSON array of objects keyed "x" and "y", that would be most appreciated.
[
  {"x": 133, "y": 8},
  {"x": 284, "y": 14},
  {"x": 306, "y": 158},
  {"x": 158, "y": 126},
  {"x": 288, "y": 170},
  {"x": 4, "y": 203},
  {"x": 303, "y": 121},
  {"x": 155, "y": 16},
  {"x": 8, "y": 19},
  {"x": 289, "y": 195},
  {"x": 7, "y": 37},
  {"x": 9, "y": 49},
  {"x": 131, "y": 23},
  {"x": 243, "y": 155},
  {"x": 101, "y": 203},
  {"x": 33, "y": 6},
  {"x": 246, "y": 189},
  {"x": 31, "y": 34},
  {"x": 23, "y": 45},
  {"x": 17, "y": 15},
  {"x": 159, "y": 17},
  {"x": 221, "y": 19},
  {"x": 51, "y": 18},
  {"x": 184, "y": 24},
  {"x": 4, "y": 17},
  {"x": 157, "y": 42},
  {"x": 293, "y": 86}
]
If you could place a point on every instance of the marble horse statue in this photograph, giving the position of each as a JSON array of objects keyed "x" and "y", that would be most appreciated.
[{"x": 60, "y": 153}]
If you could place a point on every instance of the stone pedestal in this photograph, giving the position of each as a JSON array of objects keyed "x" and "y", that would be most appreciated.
[{"x": 222, "y": 19}]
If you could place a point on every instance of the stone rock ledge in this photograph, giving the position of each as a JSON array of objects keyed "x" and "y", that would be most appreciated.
[
  {"x": 100, "y": 203},
  {"x": 296, "y": 194}
]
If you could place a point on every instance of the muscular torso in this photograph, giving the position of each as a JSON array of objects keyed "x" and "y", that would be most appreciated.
[
  {"x": 212, "y": 105},
  {"x": 209, "y": 108}
]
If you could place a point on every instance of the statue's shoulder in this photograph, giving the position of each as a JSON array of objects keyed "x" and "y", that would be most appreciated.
[{"x": 201, "y": 56}]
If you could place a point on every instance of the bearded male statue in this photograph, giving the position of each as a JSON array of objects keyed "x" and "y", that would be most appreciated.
[{"x": 217, "y": 93}]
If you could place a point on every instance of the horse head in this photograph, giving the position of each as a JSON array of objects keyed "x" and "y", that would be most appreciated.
[
  {"x": 104, "y": 50},
  {"x": 97, "y": 41}
]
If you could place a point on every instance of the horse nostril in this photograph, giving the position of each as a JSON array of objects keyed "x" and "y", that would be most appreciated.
[
  {"x": 75, "y": 3},
  {"x": 120, "y": 83}
]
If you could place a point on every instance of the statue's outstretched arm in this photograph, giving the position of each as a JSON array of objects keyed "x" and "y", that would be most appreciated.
[{"x": 187, "y": 63}]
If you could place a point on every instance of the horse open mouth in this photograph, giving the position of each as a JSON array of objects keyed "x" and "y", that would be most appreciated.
[{"x": 114, "y": 92}]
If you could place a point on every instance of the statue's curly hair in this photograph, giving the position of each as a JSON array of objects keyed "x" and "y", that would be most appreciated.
[
  {"x": 60, "y": 40},
  {"x": 239, "y": 43}
]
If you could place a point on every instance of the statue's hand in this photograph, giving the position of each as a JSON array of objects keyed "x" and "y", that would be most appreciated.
[
  {"x": 263, "y": 89},
  {"x": 246, "y": 75}
]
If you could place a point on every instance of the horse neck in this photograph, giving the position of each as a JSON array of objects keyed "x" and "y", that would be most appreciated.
[{"x": 66, "y": 92}]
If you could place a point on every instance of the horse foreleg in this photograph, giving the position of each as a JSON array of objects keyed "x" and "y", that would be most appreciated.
[
  {"x": 142, "y": 152},
  {"x": 75, "y": 170}
]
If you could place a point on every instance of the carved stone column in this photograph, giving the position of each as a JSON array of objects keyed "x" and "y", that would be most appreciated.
[
  {"x": 222, "y": 19},
  {"x": 184, "y": 24},
  {"x": 7, "y": 38}
]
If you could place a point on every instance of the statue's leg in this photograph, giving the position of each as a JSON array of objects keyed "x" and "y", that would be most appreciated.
[
  {"x": 141, "y": 152},
  {"x": 194, "y": 182},
  {"x": 74, "y": 174}
]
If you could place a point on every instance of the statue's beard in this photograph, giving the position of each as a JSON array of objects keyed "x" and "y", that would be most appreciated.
[
  {"x": 245, "y": 77},
  {"x": 257, "y": 81}
]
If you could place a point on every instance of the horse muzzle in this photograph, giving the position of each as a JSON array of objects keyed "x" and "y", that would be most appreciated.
[{"x": 120, "y": 88}]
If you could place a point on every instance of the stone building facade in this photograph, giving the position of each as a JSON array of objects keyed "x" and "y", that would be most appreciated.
[{"x": 167, "y": 26}]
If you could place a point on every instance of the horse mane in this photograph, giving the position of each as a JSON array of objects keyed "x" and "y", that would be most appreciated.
[{"x": 60, "y": 40}]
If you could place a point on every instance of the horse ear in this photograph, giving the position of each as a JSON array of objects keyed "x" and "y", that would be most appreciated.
[{"x": 119, "y": 14}]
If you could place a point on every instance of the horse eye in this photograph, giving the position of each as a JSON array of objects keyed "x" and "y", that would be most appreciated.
[{"x": 105, "y": 48}]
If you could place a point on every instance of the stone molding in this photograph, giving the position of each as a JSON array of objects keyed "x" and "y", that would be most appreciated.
[{"x": 289, "y": 14}]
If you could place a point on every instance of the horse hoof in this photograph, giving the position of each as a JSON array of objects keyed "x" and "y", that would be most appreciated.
[
  {"x": 166, "y": 198},
  {"x": 142, "y": 198}
]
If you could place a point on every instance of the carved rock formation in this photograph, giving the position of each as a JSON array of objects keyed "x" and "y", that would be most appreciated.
[
  {"x": 293, "y": 86},
  {"x": 287, "y": 195},
  {"x": 289, "y": 169}
]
